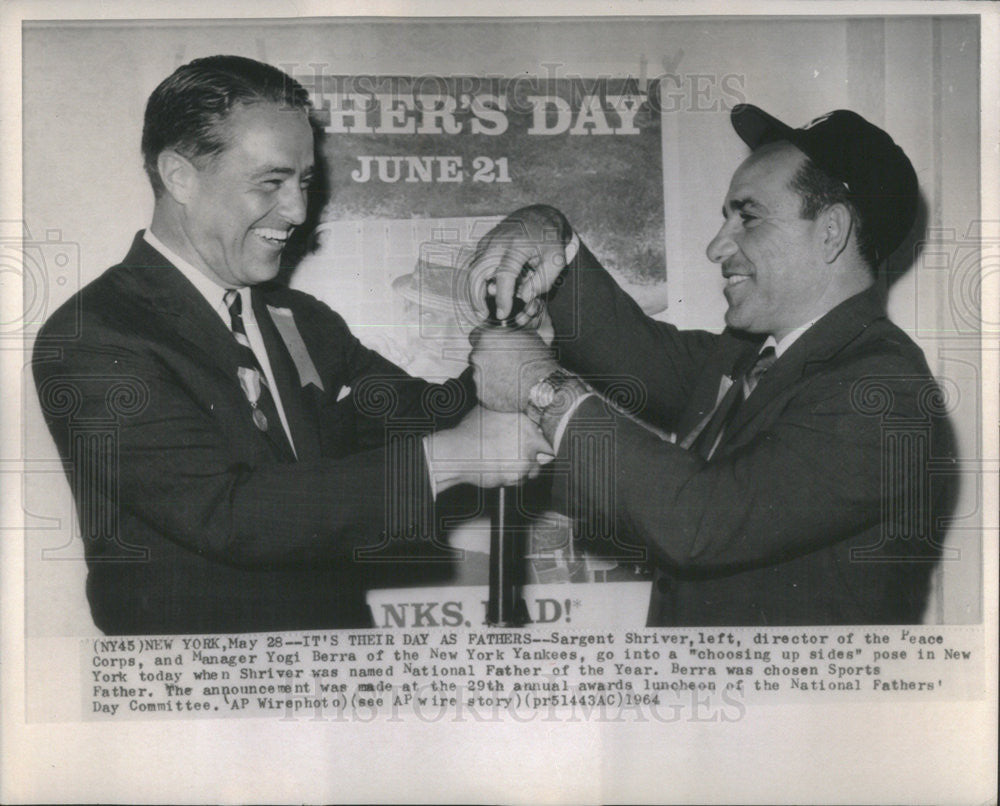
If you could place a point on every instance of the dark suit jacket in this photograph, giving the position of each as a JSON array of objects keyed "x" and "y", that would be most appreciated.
[
  {"x": 820, "y": 506},
  {"x": 193, "y": 519}
]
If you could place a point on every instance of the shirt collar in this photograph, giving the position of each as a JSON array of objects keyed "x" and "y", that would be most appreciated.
[
  {"x": 212, "y": 291},
  {"x": 787, "y": 341}
]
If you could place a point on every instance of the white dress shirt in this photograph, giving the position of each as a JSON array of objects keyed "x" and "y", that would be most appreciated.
[
  {"x": 787, "y": 341},
  {"x": 213, "y": 294}
]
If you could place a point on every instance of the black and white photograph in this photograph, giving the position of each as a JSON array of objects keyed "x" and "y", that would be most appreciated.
[{"x": 500, "y": 404}]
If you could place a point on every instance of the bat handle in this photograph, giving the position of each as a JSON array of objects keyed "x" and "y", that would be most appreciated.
[{"x": 502, "y": 609}]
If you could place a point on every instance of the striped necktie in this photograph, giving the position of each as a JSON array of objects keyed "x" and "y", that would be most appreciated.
[
  {"x": 706, "y": 441},
  {"x": 251, "y": 374},
  {"x": 765, "y": 358}
]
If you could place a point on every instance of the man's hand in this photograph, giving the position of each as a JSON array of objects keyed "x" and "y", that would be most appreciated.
[
  {"x": 488, "y": 449},
  {"x": 507, "y": 364},
  {"x": 521, "y": 255}
]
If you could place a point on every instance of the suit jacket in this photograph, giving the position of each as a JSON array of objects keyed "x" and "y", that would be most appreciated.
[
  {"x": 820, "y": 505},
  {"x": 193, "y": 519}
]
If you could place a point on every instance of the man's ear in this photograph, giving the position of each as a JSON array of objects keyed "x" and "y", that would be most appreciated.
[
  {"x": 178, "y": 174},
  {"x": 836, "y": 224}
]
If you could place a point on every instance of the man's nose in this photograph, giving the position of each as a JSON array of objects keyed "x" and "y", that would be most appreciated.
[
  {"x": 722, "y": 245},
  {"x": 293, "y": 205}
]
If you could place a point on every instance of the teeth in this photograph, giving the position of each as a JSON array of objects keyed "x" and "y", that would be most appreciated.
[
  {"x": 735, "y": 279},
  {"x": 273, "y": 235}
]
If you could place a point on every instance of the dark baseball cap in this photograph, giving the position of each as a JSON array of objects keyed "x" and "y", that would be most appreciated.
[{"x": 878, "y": 176}]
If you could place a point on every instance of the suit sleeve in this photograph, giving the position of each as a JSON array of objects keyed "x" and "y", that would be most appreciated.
[
  {"x": 604, "y": 336},
  {"x": 171, "y": 462},
  {"x": 381, "y": 392},
  {"x": 812, "y": 477}
]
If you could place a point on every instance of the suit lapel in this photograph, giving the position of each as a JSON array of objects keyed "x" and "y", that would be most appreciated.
[
  {"x": 711, "y": 389},
  {"x": 192, "y": 320},
  {"x": 779, "y": 378},
  {"x": 818, "y": 344},
  {"x": 196, "y": 327}
]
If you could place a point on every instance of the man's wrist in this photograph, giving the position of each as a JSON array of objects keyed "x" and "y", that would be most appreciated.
[
  {"x": 430, "y": 468},
  {"x": 554, "y": 425},
  {"x": 552, "y": 398},
  {"x": 444, "y": 474},
  {"x": 533, "y": 375},
  {"x": 542, "y": 394}
]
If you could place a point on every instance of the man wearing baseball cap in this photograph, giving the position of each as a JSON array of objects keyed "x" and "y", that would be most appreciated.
[{"x": 785, "y": 494}]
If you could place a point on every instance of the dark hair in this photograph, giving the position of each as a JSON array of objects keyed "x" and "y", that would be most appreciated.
[
  {"x": 818, "y": 190},
  {"x": 187, "y": 110}
]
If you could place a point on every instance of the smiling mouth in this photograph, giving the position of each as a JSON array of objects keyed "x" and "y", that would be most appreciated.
[
  {"x": 274, "y": 237},
  {"x": 736, "y": 279}
]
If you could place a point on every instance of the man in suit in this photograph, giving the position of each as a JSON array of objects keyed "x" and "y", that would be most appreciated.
[
  {"x": 253, "y": 463},
  {"x": 806, "y": 471}
]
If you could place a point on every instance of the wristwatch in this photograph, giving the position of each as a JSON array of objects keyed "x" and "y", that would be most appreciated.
[{"x": 545, "y": 393}]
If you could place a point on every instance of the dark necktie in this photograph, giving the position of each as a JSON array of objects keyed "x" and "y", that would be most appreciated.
[
  {"x": 725, "y": 411},
  {"x": 765, "y": 358},
  {"x": 251, "y": 374}
]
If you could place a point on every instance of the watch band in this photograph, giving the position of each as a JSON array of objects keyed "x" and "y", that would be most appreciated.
[{"x": 545, "y": 393}]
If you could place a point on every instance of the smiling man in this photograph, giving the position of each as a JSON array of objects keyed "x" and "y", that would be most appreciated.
[
  {"x": 760, "y": 468},
  {"x": 782, "y": 269},
  {"x": 240, "y": 462}
]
